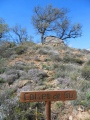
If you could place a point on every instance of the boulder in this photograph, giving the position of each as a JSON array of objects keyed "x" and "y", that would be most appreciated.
[{"x": 53, "y": 40}]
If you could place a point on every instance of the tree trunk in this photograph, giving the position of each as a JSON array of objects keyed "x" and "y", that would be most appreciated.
[{"x": 42, "y": 38}]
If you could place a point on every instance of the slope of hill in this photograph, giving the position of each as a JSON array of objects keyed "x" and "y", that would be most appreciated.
[{"x": 35, "y": 67}]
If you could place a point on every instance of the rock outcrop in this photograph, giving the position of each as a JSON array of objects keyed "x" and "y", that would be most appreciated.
[{"x": 53, "y": 40}]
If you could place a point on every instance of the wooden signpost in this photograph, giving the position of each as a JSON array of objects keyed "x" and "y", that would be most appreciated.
[{"x": 48, "y": 96}]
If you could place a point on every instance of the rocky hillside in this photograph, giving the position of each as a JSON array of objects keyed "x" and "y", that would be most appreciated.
[{"x": 35, "y": 67}]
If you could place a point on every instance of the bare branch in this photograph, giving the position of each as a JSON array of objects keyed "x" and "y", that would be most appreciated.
[{"x": 21, "y": 33}]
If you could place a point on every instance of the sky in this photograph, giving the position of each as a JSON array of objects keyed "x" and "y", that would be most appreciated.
[{"x": 20, "y": 12}]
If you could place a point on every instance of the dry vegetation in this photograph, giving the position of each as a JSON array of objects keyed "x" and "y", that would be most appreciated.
[{"x": 43, "y": 67}]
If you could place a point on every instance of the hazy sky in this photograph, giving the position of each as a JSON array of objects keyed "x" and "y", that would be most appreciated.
[{"x": 20, "y": 12}]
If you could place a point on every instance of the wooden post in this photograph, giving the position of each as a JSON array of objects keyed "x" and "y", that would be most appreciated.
[
  {"x": 36, "y": 113},
  {"x": 48, "y": 110}
]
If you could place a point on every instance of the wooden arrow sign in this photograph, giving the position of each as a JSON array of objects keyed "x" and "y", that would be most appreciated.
[
  {"x": 48, "y": 96},
  {"x": 41, "y": 96}
]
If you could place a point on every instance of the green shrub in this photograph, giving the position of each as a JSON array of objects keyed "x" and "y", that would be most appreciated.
[
  {"x": 5, "y": 45},
  {"x": 58, "y": 105},
  {"x": 24, "y": 111},
  {"x": 86, "y": 72},
  {"x": 59, "y": 73},
  {"x": 21, "y": 49},
  {"x": 43, "y": 51},
  {"x": 74, "y": 76},
  {"x": 73, "y": 60},
  {"x": 6, "y": 49},
  {"x": 3, "y": 64},
  {"x": 28, "y": 43},
  {"x": 2, "y": 80},
  {"x": 88, "y": 63},
  {"x": 36, "y": 47},
  {"x": 55, "y": 58},
  {"x": 83, "y": 100},
  {"x": 44, "y": 66},
  {"x": 2, "y": 70},
  {"x": 88, "y": 96},
  {"x": 47, "y": 59},
  {"x": 7, "y": 53},
  {"x": 7, "y": 94}
]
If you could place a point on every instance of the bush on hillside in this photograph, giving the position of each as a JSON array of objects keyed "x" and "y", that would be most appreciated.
[
  {"x": 45, "y": 50},
  {"x": 73, "y": 60},
  {"x": 88, "y": 63},
  {"x": 20, "y": 49},
  {"x": 2, "y": 70},
  {"x": 2, "y": 80},
  {"x": 61, "y": 71},
  {"x": 7, "y": 53},
  {"x": 82, "y": 100},
  {"x": 37, "y": 75},
  {"x": 86, "y": 72},
  {"x": 22, "y": 111},
  {"x": 6, "y": 48},
  {"x": 6, "y": 44},
  {"x": 3, "y": 63}
]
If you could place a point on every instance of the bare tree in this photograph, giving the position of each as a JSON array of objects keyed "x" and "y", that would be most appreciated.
[
  {"x": 3, "y": 28},
  {"x": 21, "y": 33},
  {"x": 43, "y": 19},
  {"x": 65, "y": 30},
  {"x": 47, "y": 19}
]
